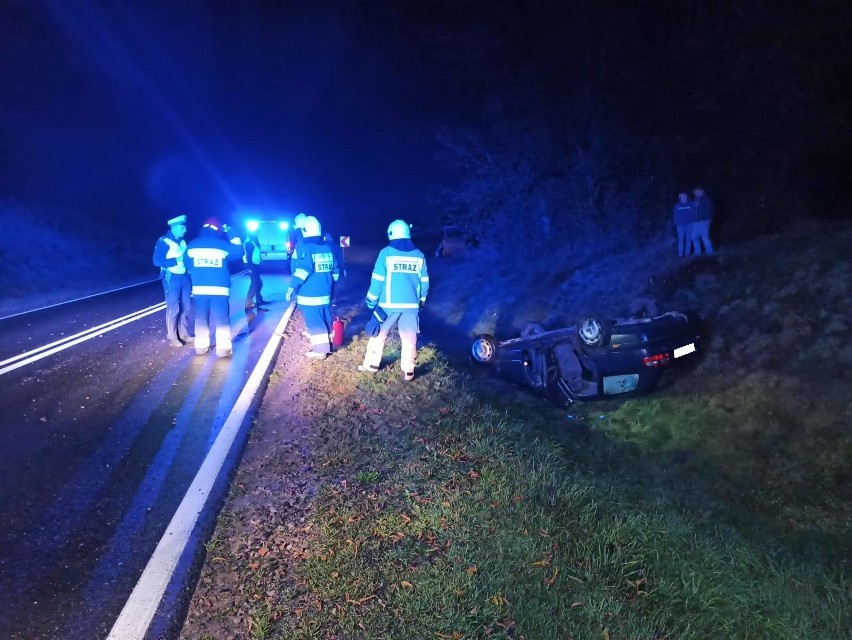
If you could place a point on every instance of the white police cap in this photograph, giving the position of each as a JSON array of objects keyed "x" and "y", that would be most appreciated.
[{"x": 177, "y": 220}]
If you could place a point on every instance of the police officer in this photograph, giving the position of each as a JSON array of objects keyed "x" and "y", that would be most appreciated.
[
  {"x": 251, "y": 258},
  {"x": 208, "y": 256},
  {"x": 169, "y": 256},
  {"x": 399, "y": 286},
  {"x": 315, "y": 269}
]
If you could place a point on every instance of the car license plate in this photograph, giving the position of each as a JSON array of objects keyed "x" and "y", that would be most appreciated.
[
  {"x": 684, "y": 350},
  {"x": 613, "y": 385}
]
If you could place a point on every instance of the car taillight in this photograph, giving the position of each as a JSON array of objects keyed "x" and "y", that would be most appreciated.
[
  {"x": 656, "y": 360},
  {"x": 289, "y": 246}
]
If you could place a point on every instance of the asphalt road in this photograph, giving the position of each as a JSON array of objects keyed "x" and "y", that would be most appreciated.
[{"x": 98, "y": 444}]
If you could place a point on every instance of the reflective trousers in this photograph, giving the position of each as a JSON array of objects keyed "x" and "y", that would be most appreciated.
[
  {"x": 212, "y": 310},
  {"x": 408, "y": 326},
  {"x": 177, "y": 288},
  {"x": 318, "y": 323}
]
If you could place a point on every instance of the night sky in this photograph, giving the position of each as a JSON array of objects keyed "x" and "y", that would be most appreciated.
[
  {"x": 148, "y": 109},
  {"x": 595, "y": 114}
]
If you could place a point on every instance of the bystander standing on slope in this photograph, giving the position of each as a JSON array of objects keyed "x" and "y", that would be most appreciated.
[
  {"x": 703, "y": 207},
  {"x": 683, "y": 217}
]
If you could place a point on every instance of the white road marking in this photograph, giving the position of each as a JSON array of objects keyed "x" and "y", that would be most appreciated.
[
  {"x": 54, "y": 347},
  {"x": 94, "y": 295},
  {"x": 140, "y": 608},
  {"x": 44, "y": 351}
]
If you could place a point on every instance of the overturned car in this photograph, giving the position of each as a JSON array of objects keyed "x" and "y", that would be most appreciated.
[{"x": 597, "y": 357}]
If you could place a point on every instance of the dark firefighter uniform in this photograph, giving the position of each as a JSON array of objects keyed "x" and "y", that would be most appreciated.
[
  {"x": 315, "y": 269},
  {"x": 208, "y": 256}
]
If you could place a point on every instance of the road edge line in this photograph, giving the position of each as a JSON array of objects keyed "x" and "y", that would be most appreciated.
[
  {"x": 138, "y": 612},
  {"x": 91, "y": 295}
]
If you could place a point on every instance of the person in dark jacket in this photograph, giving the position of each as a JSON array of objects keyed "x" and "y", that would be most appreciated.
[
  {"x": 683, "y": 216},
  {"x": 169, "y": 256},
  {"x": 703, "y": 208},
  {"x": 251, "y": 258},
  {"x": 209, "y": 255}
]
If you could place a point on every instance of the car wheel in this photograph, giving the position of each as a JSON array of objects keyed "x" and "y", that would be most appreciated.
[
  {"x": 532, "y": 329},
  {"x": 593, "y": 331},
  {"x": 484, "y": 349}
]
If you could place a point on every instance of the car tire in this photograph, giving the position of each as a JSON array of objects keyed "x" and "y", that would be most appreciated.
[
  {"x": 593, "y": 330},
  {"x": 484, "y": 349},
  {"x": 532, "y": 329}
]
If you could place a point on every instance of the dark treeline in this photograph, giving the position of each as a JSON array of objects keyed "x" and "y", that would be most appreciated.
[{"x": 587, "y": 118}]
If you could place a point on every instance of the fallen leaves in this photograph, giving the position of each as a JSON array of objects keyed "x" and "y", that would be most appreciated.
[
  {"x": 499, "y": 600},
  {"x": 552, "y": 579},
  {"x": 359, "y": 601},
  {"x": 544, "y": 562}
]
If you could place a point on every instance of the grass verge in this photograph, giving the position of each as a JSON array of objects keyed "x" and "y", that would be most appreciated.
[{"x": 441, "y": 517}]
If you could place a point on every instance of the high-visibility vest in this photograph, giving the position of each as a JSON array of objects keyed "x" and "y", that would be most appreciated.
[
  {"x": 176, "y": 250},
  {"x": 254, "y": 258}
]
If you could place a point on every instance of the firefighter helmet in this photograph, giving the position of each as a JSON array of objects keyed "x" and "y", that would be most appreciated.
[
  {"x": 299, "y": 221},
  {"x": 311, "y": 227},
  {"x": 399, "y": 230}
]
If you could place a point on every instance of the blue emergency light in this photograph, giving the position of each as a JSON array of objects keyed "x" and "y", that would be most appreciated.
[{"x": 252, "y": 225}]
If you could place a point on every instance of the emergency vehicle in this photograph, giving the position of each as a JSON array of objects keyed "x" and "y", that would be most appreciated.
[{"x": 273, "y": 238}]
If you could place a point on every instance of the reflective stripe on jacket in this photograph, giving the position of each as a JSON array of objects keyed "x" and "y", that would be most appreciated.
[
  {"x": 315, "y": 268},
  {"x": 208, "y": 264},
  {"x": 400, "y": 280},
  {"x": 168, "y": 254}
]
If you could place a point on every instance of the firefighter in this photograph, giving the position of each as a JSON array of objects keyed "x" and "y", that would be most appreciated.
[
  {"x": 209, "y": 255},
  {"x": 399, "y": 286},
  {"x": 315, "y": 269},
  {"x": 169, "y": 256},
  {"x": 298, "y": 234},
  {"x": 252, "y": 260}
]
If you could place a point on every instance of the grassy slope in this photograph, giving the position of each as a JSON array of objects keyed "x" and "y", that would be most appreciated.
[
  {"x": 444, "y": 517},
  {"x": 455, "y": 507},
  {"x": 52, "y": 256},
  {"x": 767, "y": 411}
]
